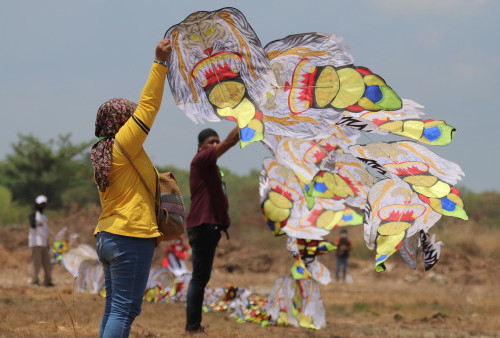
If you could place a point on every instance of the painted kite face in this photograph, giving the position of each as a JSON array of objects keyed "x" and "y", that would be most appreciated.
[
  {"x": 219, "y": 70},
  {"x": 204, "y": 34},
  {"x": 210, "y": 47},
  {"x": 201, "y": 30}
]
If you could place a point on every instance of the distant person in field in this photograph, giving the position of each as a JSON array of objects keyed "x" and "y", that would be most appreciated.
[
  {"x": 344, "y": 245},
  {"x": 38, "y": 241},
  {"x": 127, "y": 229},
  {"x": 208, "y": 216}
]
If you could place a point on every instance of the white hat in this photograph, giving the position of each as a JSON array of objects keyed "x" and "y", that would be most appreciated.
[{"x": 41, "y": 199}]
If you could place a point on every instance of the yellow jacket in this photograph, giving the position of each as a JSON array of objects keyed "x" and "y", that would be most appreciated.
[{"x": 128, "y": 209}]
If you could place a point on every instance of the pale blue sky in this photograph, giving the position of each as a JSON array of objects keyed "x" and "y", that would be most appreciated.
[{"x": 61, "y": 59}]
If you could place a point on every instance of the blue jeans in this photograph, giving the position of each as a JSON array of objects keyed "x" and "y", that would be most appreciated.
[
  {"x": 126, "y": 262},
  {"x": 341, "y": 264},
  {"x": 203, "y": 240}
]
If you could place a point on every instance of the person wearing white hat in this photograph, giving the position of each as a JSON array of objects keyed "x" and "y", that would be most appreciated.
[{"x": 38, "y": 241}]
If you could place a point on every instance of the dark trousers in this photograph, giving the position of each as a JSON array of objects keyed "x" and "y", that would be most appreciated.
[
  {"x": 203, "y": 240},
  {"x": 341, "y": 264}
]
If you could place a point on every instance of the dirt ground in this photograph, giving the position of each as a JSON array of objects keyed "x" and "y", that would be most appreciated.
[{"x": 459, "y": 297}]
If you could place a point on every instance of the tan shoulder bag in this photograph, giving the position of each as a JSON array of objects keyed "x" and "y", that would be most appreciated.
[{"x": 169, "y": 217}]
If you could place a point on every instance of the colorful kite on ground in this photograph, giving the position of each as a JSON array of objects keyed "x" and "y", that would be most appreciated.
[
  {"x": 82, "y": 262},
  {"x": 61, "y": 244},
  {"x": 174, "y": 256},
  {"x": 164, "y": 286}
]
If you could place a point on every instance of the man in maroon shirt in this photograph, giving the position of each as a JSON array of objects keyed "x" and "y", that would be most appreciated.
[{"x": 208, "y": 216}]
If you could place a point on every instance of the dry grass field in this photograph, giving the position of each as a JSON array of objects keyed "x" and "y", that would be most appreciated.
[{"x": 459, "y": 297}]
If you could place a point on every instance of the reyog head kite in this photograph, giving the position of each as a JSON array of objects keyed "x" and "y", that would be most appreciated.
[
  {"x": 304, "y": 98},
  {"x": 218, "y": 69}
]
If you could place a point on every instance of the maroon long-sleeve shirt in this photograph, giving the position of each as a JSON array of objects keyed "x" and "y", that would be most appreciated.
[{"x": 209, "y": 202}]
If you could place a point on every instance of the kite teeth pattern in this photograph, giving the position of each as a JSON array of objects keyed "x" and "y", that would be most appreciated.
[{"x": 431, "y": 250}]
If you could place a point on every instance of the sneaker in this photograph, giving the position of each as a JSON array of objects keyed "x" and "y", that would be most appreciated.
[{"x": 48, "y": 285}]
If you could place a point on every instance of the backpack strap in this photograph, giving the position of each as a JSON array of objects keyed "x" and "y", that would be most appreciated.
[{"x": 138, "y": 173}]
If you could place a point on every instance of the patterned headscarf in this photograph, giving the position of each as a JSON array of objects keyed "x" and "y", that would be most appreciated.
[{"x": 110, "y": 117}]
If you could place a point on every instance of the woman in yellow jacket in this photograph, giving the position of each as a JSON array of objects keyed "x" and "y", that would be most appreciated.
[{"x": 127, "y": 229}]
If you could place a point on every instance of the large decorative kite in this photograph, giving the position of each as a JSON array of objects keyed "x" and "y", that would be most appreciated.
[
  {"x": 218, "y": 69},
  {"x": 307, "y": 101}
]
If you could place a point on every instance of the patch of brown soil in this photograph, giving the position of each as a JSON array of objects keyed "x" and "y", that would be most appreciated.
[{"x": 460, "y": 296}]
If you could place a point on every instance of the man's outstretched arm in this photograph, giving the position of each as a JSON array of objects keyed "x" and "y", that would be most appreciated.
[{"x": 232, "y": 138}]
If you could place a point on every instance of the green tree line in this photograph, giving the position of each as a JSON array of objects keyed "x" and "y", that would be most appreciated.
[{"x": 61, "y": 170}]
